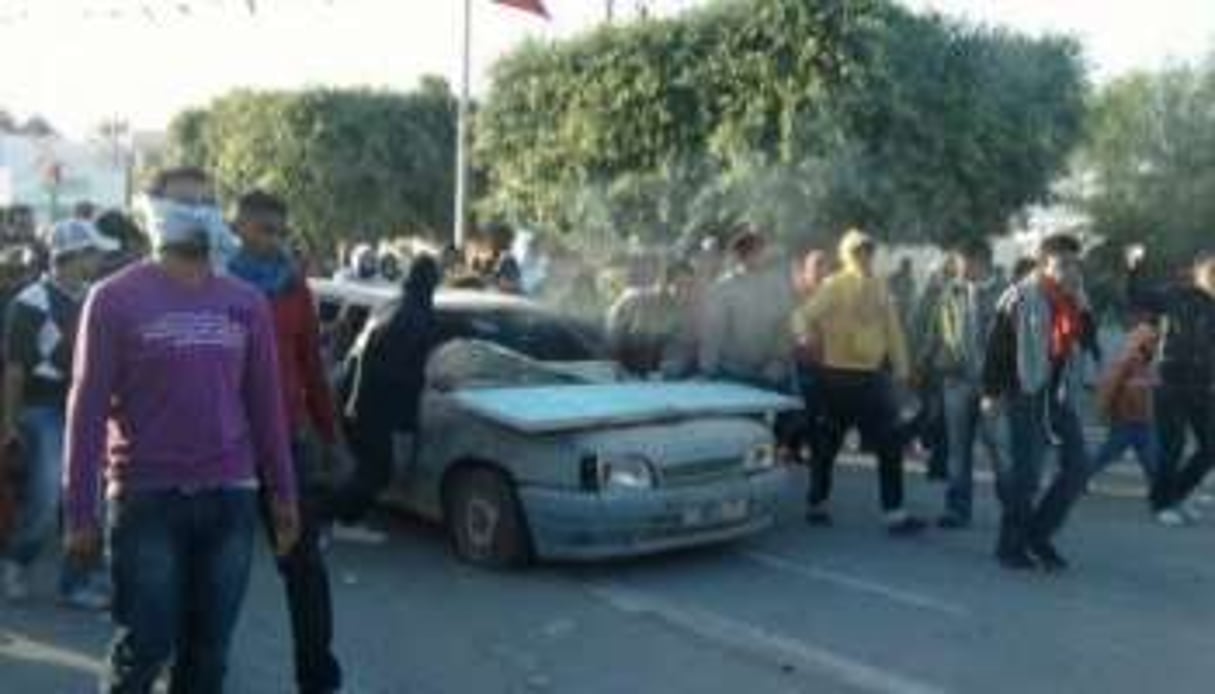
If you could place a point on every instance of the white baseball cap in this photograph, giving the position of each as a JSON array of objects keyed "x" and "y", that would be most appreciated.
[{"x": 76, "y": 235}]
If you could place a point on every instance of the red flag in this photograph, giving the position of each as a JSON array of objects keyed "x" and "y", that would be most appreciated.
[{"x": 536, "y": 7}]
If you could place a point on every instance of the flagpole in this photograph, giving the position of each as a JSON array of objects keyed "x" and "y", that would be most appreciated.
[{"x": 461, "y": 215}]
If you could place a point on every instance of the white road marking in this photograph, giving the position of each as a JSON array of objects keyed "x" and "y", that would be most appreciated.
[
  {"x": 777, "y": 648},
  {"x": 861, "y": 585},
  {"x": 17, "y": 647}
]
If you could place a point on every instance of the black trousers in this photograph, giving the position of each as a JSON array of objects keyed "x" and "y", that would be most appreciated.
[
  {"x": 306, "y": 579},
  {"x": 371, "y": 443},
  {"x": 863, "y": 400},
  {"x": 1179, "y": 412}
]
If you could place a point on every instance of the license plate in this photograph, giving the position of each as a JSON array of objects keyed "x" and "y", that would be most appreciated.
[
  {"x": 734, "y": 510},
  {"x": 718, "y": 512}
]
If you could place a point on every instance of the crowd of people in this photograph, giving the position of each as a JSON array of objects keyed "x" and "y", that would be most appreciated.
[
  {"x": 165, "y": 394},
  {"x": 993, "y": 360}
]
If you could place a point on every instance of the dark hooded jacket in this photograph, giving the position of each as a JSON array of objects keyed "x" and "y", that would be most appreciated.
[{"x": 389, "y": 363}]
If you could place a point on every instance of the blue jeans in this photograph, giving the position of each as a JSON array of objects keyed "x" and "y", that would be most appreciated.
[
  {"x": 1034, "y": 426},
  {"x": 180, "y": 564},
  {"x": 41, "y": 430},
  {"x": 1139, "y": 437},
  {"x": 965, "y": 426}
]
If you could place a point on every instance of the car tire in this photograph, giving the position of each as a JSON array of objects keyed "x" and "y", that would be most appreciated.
[{"x": 484, "y": 520}]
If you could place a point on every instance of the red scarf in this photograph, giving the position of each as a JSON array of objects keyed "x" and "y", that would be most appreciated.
[{"x": 1067, "y": 321}]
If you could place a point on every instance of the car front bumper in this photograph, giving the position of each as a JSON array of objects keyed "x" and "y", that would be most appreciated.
[{"x": 575, "y": 525}]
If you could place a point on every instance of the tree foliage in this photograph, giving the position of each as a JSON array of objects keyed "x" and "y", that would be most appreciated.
[
  {"x": 1149, "y": 160},
  {"x": 801, "y": 115},
  {"x": 350, "y": 163}
]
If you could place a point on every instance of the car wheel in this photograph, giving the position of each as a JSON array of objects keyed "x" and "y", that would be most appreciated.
[{"x": 484, "y": 520}]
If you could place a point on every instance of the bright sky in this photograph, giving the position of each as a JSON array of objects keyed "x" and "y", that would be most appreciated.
[{"x": 76, "y": 63}]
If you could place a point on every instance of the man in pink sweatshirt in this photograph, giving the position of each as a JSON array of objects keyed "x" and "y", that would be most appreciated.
[{"x": 176, "y": 399}]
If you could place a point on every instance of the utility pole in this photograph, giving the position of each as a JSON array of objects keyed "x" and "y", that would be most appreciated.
[
  {"x": 462, "y": 192},
  {"x": 609, "y": 10}
]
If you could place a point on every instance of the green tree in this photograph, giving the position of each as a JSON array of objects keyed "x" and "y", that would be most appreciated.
[
  {"x": 350, "y": 163},
  {"x": 1148, "y": 163},
  {"x": 804, "y": 115}
]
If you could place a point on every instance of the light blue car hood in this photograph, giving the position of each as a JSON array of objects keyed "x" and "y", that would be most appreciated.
[{"x": 547, "y": 409}]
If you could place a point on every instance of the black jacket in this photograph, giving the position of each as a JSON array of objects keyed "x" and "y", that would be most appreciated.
[{"x": 1187, "y": 348}]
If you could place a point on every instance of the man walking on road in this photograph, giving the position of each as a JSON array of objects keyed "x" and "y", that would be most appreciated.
[
  {"x": 953, "y": 346},
  {"x": 265, "y": 263},
  {"x": 862, "y": 348},
  {"x": 1032, "y": 374},
  {"x": 1185, "y": 398},
  {"x": 177, "y": 377},
  {"x": 39, "y": 339}
]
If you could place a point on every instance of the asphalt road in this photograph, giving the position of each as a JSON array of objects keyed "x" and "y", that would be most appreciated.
[{"x": 820, "y": 611}]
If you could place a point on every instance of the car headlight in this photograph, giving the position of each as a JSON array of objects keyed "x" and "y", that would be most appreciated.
[
  {"x": 760, "y": 458},
  {"x": 624, "y": 472}
]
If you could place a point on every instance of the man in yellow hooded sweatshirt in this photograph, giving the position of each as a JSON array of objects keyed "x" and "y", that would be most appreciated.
[{"x": 863, "y": 354}]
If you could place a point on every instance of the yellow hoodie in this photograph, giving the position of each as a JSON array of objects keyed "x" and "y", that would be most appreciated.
[{"x": 855, "y": 323}]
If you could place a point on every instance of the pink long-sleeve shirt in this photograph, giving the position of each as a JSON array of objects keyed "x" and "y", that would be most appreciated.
[{"x": 174, "y": 387}]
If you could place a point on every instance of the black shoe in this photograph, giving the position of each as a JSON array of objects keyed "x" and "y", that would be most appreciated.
[
  {"x": 819, "y": 518},
  {"x": 906, "y": 527},
  {"x": 1048, "y": 556},
  {"x": 953, "y": 521},
  {"x": 1016, "y": 560}
]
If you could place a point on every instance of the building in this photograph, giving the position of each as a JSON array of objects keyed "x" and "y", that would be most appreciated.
[{"x": 50, "y": 174}]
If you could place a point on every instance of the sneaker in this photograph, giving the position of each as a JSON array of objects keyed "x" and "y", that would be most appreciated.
[
  {"x": 953, "y": 521},
  {"x": 1048, "y": 557},
  {"x": 1172, "y": 518},
  {"x": 1191, "y": 512},
  {"x": 15, "y": 582},
  {"x": 358, "y": 534},
  {"x": 902, "y": 524},
  {"x": 87, "y": 598}
]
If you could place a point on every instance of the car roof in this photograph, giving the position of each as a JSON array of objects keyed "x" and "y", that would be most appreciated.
[{"x": 376, "y": 295}]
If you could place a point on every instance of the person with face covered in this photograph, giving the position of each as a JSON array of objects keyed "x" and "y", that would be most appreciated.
[
  {"x": 1032, "y": 375},
  {"x": 1185, "y": 396},
  {"x": 176, "y": 403}
]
